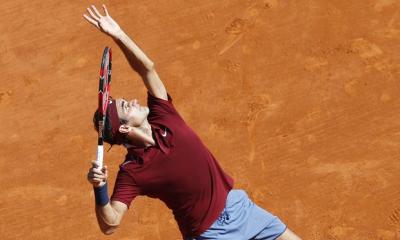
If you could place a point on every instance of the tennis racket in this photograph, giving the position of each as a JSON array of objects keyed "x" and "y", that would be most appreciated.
[{"x": 104, "y": 93}]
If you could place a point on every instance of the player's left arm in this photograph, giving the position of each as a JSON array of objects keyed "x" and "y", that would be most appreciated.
[
  {"x": 135, "y": 56},
  {"x": 145, "y": 68}
]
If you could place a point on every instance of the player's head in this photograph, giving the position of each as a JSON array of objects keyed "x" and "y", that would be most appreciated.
[
  {"x": 120, "y": 115},
  {"x": 131, "y": 112}
]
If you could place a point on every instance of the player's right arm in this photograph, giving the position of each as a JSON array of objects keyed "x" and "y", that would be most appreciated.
[
  {"x": 135, "y": 56},
  {"x": 109, "y": 214}
]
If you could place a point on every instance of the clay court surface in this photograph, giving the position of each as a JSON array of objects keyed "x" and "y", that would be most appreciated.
[{"x": 298, "y": 100}]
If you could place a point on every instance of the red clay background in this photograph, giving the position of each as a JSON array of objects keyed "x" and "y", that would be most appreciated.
[{"x": 299, "y": 101}]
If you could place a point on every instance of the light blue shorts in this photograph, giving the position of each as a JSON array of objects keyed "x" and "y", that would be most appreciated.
[{"x": 241, "y": 219}]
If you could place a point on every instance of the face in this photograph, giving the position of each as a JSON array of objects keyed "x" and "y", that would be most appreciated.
[{"x": 131, "y": 111}]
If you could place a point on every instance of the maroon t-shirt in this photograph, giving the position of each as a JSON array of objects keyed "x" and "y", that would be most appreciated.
[{"x": 179, "y": 170}]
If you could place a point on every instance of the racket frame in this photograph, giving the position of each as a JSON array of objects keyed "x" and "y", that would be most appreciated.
[{"x": 103, "y": 98}]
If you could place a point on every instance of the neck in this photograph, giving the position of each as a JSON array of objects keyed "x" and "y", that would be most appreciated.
[
  {"x": 146, "y": 128},
  {"x": 141, "y": 136}
]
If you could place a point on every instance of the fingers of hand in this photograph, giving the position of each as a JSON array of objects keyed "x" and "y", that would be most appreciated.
[
  {"x": 105, "y": 9},
  {"x": 91, "y": 20},
  {"x": 96, "y": 11},
  {"x": 92, "y": 14},
  {"x": 96, "y": 178},
  {"x": 96, "y": 169},
  {"x": 97, "y": 175},
  {"x": 95, "y": 164}
]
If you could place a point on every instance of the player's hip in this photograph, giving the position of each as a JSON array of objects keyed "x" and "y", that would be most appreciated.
[{"x": 242, "y": 219}]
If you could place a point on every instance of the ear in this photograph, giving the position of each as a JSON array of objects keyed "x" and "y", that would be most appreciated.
[{"x": 124, "y": 128}]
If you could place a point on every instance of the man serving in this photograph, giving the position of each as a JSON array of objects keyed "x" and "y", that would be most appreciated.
[{"x": 166, "y": 160}]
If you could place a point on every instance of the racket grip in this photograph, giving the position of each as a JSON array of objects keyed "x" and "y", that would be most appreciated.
[{"x": 100, "y": 152}]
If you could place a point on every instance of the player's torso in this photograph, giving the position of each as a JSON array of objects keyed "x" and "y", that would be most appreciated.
[{"x": 183, "y": 170}]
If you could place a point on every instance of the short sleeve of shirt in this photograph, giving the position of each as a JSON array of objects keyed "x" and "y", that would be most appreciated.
[
  {"x": 125, "y": 188},
  {"x": 159, "y": 108}
]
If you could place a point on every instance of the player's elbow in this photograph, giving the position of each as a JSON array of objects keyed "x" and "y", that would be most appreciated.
[
  {"x": 107, "y": 228},
  {"x": 111, "y": 219}
]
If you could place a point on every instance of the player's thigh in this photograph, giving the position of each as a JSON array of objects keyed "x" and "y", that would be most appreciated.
[{"x": 288, "y": 235}]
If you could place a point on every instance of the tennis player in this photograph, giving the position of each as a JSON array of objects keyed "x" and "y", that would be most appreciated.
[{"x": 166, "y": 160}]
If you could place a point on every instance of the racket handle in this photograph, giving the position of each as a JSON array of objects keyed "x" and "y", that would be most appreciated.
[{"x": 100, "y": 152}]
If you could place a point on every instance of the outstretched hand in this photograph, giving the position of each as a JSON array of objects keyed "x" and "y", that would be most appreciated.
[{"x": 104, "y": 23}]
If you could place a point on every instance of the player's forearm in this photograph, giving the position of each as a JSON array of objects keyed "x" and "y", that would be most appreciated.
[
  {"x": 142, "y": 65},
  {"x": 107, "y": 218},
  {"x": 138, "y": 55}
]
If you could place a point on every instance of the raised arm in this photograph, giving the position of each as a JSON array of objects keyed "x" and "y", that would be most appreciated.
[{"x": 135, "y": 56}]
